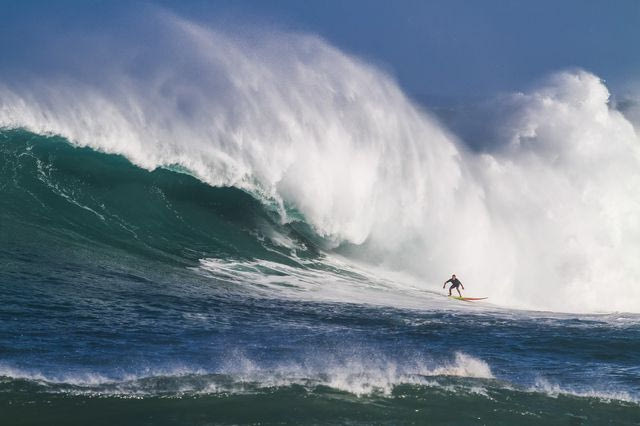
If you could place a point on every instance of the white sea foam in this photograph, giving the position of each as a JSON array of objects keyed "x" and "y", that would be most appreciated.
[
  {"x": 545, "y": 218},
  {"x": 554, "y": 390},
  {"x": 82, "y": 378},
  {"x": 358, "y": 374},
  {"x": 330, "y": 279}
]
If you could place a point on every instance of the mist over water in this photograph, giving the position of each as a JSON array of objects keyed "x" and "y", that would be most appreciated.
[{"x": 545, "y": 216}]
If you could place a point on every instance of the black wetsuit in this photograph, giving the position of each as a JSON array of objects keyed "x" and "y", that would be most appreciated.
[{"x": 455, "y": 283}]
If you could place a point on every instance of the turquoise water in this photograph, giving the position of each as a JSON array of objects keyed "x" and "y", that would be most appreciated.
[{"x": 130, "y": 296}]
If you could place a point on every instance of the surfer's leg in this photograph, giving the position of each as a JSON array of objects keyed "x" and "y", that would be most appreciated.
[{"x": 458, "y": 290}]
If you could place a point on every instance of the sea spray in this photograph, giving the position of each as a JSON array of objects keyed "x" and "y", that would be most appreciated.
[{"x": 549, "y": 207}]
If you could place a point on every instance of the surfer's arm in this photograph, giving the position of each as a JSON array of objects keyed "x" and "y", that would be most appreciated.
[{"x": 445, "y": 283}]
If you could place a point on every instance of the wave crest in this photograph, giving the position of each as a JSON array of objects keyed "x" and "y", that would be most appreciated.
[{"x": 544, "y": 218}]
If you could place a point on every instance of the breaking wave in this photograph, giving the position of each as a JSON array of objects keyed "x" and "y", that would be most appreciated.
[{"x": 544, "y": 217}]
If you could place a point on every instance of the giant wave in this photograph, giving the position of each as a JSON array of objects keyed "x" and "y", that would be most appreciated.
[{"x": 545, "y": 217}]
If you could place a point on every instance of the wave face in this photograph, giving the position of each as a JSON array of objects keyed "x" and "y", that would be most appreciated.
[
  {"x": 61, "y": 195},
  {"x": 548, "y": 207}
]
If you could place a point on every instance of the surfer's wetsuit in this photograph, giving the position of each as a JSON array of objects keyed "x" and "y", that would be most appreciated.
[{"x": 455, "y": 283}]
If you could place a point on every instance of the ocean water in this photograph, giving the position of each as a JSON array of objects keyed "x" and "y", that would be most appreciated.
[
  {"x": 137, "y": 297},
  {"x": 253, "y": 228}
]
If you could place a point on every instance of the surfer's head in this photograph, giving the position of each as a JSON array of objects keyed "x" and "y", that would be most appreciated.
[{"x": 453, "y": 276}]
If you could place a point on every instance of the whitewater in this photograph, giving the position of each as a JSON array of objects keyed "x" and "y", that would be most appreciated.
[
  {"x": 550, "y": 208},
  {"x": 239, "y": 226}
]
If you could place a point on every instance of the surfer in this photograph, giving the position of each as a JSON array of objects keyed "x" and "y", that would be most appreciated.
[{"x": 455, "y": 283}]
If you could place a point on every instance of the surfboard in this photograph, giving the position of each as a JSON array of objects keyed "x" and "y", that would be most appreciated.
[{"x": 468, "y": 299}]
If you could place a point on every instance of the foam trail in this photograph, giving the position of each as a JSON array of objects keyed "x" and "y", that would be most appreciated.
[{"x": 546, "y": 219}]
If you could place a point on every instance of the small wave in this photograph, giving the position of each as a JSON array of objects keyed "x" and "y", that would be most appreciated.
[
  {"x": 77, "y": 379},
  {"x": 361, "y": 375},
  {"x": 365, "y": 377},
  {"x": 555, "y": 390},
  {"x": 358, "y": 376}
]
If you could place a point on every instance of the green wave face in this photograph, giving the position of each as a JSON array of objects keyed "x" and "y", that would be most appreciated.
[{"x": 76, "y": 201}]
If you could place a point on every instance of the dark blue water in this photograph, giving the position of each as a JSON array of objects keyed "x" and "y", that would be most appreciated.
[{"x": 136, "y": 297}]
